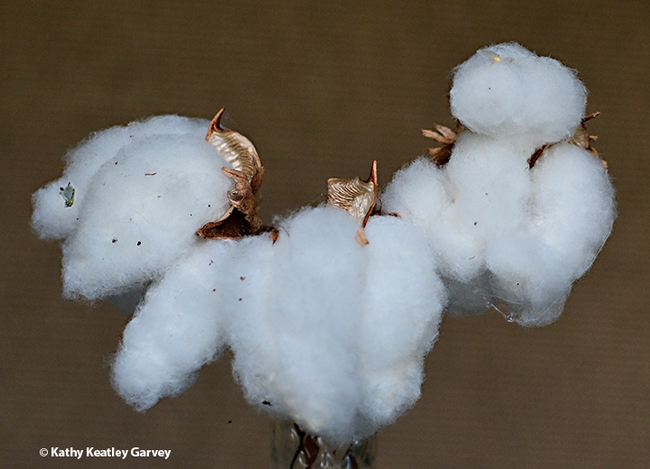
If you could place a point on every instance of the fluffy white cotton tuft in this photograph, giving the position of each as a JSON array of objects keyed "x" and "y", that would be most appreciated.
[
  {"x": 140, "y": 195},
  {"x": 51, "y": 218},
  {"x": 402, "y": 308},
  {"x": 337, "y": 335},
  {"x": 505, "y": 90},
  {"x": 571, "y": 218},
  {"x": 179, "y": 327},
  {"x": 309, "y": 315},
  {"x": 420, "y": 193}
]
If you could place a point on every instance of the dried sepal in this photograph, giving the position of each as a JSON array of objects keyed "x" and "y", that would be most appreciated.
[
  {"x": 231, "y": 225},
  {"x": 538, "y": 153},
  {"x": 360, "y": 237},
  {"x": 247, "y": 174},
  {"x": 243, "y": 197},
  {"x": 238, "y": 150},
  {"x": 447, "y": 138},
  {"x": 581, "y": 138},
  {"x": 355, "y": 196}
]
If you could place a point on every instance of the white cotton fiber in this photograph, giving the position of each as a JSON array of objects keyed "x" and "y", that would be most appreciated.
[
  {"x": 252, "y": 333},
  {"x": 52, "y": 219},
  {"x": 571, "y": 218},
  {"x": 483, "y": 192},
  {"x": 140, "y": 212},
  {"x": 402, "y": 308},
  {"x": 308, "y": 319},
  {"x": 179, "y": 327},
  {"x": 529, "y": 276},
  {"x": 420, "y": 193},
  {"x": 489, "y": 184},
  {"x": 505, "y": 90},
  {"x": 574, "y": 204},
  {"x": 333, "y": 334}
]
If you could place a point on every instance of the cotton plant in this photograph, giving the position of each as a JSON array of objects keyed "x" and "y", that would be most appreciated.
[{"x": 330, "y": 312}]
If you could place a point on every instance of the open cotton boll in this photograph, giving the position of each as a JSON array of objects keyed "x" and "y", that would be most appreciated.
[
  {"x": 525, "y": 235},
  {"x": 506, "y": 90},
  {"x": 180, "y": 326},
  {"x": 332, "y": 334},
  {"x": 402, "y": 308},
  {"x": 52, "y": 218},
  {"x": 141, "y": 212},
  {"x": 307, "y": 319}
]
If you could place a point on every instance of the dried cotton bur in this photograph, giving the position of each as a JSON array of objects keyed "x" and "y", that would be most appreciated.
[
  {"x": 356, "y": 197},
  {"x": 247, "y": 174},
  {"x": 330, "y": 317}
]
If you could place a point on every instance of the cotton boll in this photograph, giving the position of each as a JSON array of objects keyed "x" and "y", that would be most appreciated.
[
  {"x": 141, "y": 212},
  {"x": 420, "y": 193},
  {"x": 402, "y": 308},
  {"x": 505, "y": 90},
  {"x": 528, "y": 233},
  {"x": 332, "y": 334},
  {"x": 309, "y": 317},
  {"x": 52, "y": 219},
  {"x": 179, "y": 327}
]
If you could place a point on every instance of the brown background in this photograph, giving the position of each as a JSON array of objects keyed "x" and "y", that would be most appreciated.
[{"x": 322, "y": 88}]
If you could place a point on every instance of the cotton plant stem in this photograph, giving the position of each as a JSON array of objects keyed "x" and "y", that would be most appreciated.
[{"x": 293, "y": 448}]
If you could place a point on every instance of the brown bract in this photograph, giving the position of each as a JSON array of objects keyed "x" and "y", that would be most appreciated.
[
  {"x": 356, "y": 197},
  {"x": 247, "y": 173},
  {"x": 445, "y": 136},
  {"x": 581, "y": 139}
]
